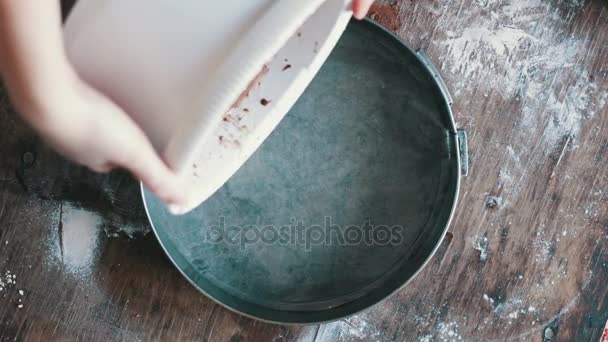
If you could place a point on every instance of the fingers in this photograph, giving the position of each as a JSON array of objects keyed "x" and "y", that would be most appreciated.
[
  {"x": 92, "y": 130},
  {"x": 147, "y": 166},
  {"x": 138, "y": 156},
  {"x": 361, "y": 7},
  {"x": 124, "y": 144}
]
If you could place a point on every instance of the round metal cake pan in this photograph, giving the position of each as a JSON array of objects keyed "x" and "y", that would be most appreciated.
[{"x": 370, "y": 149}]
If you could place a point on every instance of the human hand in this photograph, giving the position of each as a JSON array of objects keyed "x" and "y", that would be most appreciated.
[
  {"x": 74, "y": 118},
  {"x": 88, "y": 128},
  {"x": 361, "y": 7}
]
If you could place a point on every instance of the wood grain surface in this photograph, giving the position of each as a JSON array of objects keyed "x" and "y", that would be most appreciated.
[{"x": 526, "y": 258}]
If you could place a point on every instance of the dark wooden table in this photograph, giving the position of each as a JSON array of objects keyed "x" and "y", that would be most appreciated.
[{"x": 527, "y": 250}]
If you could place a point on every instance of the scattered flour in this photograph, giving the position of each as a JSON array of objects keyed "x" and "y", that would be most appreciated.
[
  {"x": 513, "y": 309},
  {"x": 481, "y": 244},
  {"x": 543, "y": 249},
  {"x": 507, "y": 181},
  {"x": 488, "y": 298},
  {"x": 448, "y": 331},
  {"x": 128, "y": 230},
  {"x": 494, "y": 202},
  {"x": 467, "y": 49},
  {"x": 567, "y": 111},
  {"x": 76, "y": 246},
  {"x": 426, "y": 338},
  {"x": 7, "y": 280},
  {"x": 355, "y": 328},
  {"x": 521, "y": 51},
  {"x": 80, "y": 236}
]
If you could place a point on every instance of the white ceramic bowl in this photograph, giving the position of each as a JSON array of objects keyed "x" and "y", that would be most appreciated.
[{"x": 207, "y": 81}]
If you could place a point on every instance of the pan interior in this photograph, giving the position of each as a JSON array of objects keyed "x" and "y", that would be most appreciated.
[{"x": 367, "y": 154}]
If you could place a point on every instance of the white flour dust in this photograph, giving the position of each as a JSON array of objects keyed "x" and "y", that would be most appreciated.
[
  {"x": 448, "y": 332},
  {"x": 426, "y": 338},
  {"x": 481, "y": 244},
  {"x": 76, "y": 246},
  {"x": 515, "y": 308},
  {"x": 521, "y": 51},
  {"x": 7, "y": 280},
  {"x": 543, "y": 248},
  {"x": 488, "y": 298},
  {"x": 466, "y": 50},
  {"x": 354, "y": 328},
  {"x": 80, "y": 235},
  {"x": 127, "y": 230}
]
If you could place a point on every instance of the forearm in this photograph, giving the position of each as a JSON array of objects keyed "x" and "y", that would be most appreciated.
[{"x": 33, "y": 62}]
